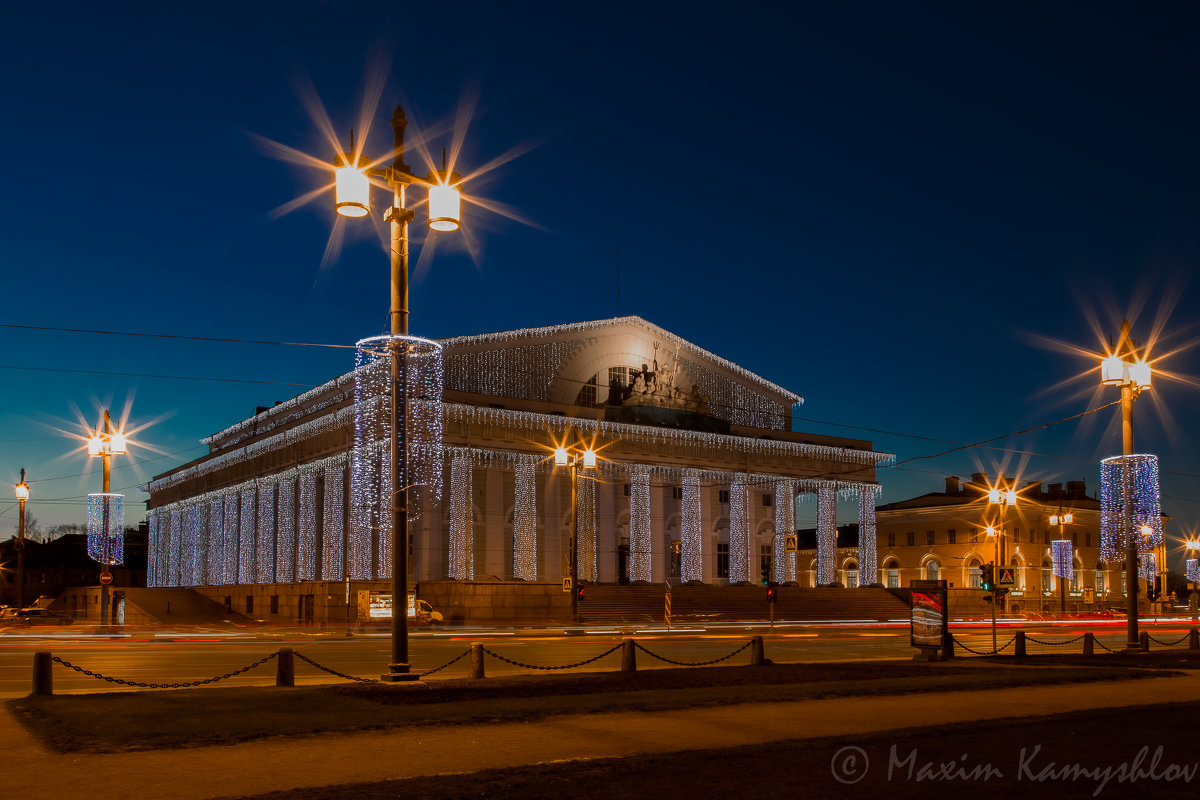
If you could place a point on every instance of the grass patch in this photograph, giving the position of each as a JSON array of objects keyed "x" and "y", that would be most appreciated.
[{"x": 114, "y": 722}]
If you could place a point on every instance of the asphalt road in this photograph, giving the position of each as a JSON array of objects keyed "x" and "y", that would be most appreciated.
[{"x": 181, "y": 655}]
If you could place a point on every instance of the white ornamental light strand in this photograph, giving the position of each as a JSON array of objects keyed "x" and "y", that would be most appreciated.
[
  {"x": 739, "y": 539},
  {"x": 868, "y": 562},
  {"x": 249, "y": 524},
  {"x": 691, "y": 563},
  {"x": 1129, "y": 500},
  {"x": 1149, "y": 567},
  {"x": 264, "y": 555},
  {"x": 461, "y": 534},
  {"x": 640, "y": 560},
  {"x": 195, "y": 531},
  {"x": 214, "y": 562},
  {"x": 1193, "y": 570},
  {"x": 152, "y": 547},
  {"x": 231, "y": 534},
  {"x": 333, "y": 533},
  {"x": 826, "y": 537},
  {"x": 306, "y": 536},
  {"x": 383, "y": 537},
  {"x": 1062, "y": 559},
  {"x": 106, "y": 543},
  {"x": 785, "y": 525},
  {"x": 176, "y": 551},
  {"x": 372, "y": 424},
  {"x": 525, "y": 523},
  {"x": 585, "y": 524},
  {"x": 285, "y": 529}
]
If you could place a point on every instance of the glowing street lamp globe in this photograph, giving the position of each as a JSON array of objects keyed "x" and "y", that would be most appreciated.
[
  {"x": 589, "y": 458},
  {"x": 1139, "y": 375},
  {"x": 352, "y": 189},
  {"x": 1112, "y": 371},
  {"x": 560, "y": 457},
  {"x": 22, "y": 491},
  {"x": 445, "y": 207}
]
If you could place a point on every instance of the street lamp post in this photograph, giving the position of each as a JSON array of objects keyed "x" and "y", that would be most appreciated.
[
  {"x": 352, "y": 190},
  {"x": 1125, "y": 368},
  {"x": 1000, "y": 498},
  {"x": 574, "y": 459},
  {"x": 1062, "y": 520},
  {"x": 22, "y": 495},
  {"x": 105, "y": 443}
]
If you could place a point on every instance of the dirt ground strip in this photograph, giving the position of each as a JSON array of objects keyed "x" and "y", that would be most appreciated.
[{"x": 1116, "y": 753}]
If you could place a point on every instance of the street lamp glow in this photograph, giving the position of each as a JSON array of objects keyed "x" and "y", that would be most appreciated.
[
  {"x": 117, "y": 445},
  {"x": 445, "y": 204},
  {"x": 993, "y": 495},
  {"x": 589, "y": 458},
  {"x": 1068, "y": 518},
  {"x": 991, "y": 530},
  {"x": 22, "y": 491},
  {"x": 1010, "y": 497},
  {"x": 560, "y": 457},
  {"x": 1147, "y": 530},
  {"x": 1139, "y": 375},
  {"x": 1054, "y": 519},
  {"x": 352, "y": 190},
  {"x": 95, "y": 445},
  {"x": 1112, "y": 371}
]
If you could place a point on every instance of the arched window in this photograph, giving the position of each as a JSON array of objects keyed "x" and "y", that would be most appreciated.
[
  {"x": 891, "y": 569},
  {"x": 1047, "y": 577},
  {"x": 974, "y": 574},
  {"x": 932, "y": 568},
  {"x": 1018, "y": 573},
  {"x": 587, "y": 394},
  {"x": 851, "y": 575}
]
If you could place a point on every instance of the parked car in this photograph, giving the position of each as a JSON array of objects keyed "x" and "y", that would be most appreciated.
[
  {"x": 425, "y": 615},
  {"x": 34, "y": 616}
]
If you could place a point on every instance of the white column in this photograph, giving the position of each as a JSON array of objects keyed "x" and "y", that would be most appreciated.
[
  {"x": 691, "y": 561},
  {"x": 585, "y": 523},
  {"x": 306, "y": 535},
  {"x": 868, "y": 563},
  {"x": 639, "y": 527},
  {"x": 826, "y": 536},
  {"x": 461, "y": 561},
  {"x": 785, "y": 525},
  {"x": 739, "y": 534},
  {"x": 525, "y": 522},
  {"x": 285, "y": 527}
]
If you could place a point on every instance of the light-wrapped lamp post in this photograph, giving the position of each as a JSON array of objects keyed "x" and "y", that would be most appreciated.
[
  {"x": 105, "y": 510},
  {"x": 22, "y": 490}
]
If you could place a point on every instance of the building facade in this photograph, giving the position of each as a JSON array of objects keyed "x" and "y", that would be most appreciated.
[{"x": 697, "y": 477}]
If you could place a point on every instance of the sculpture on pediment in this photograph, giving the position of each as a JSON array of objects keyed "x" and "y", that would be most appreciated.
[{"x": 657, "y": 387}]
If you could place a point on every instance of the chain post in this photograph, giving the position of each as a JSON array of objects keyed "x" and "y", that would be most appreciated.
[
  {"x": 475, "y": 671},
  {"x": 1089, "y": 644},
  {"x": 43, "y": 675},
  {"x": 757, "y": 654},
  {"x": 1019, "y": 650},
  {"x": 1144, "y": 642},
  {"x": 628, "y": 656},
  {"x": 285, "y": 668}
]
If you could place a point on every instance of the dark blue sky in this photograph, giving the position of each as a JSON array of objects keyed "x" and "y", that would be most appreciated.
[{"x": 880, "y": 206}]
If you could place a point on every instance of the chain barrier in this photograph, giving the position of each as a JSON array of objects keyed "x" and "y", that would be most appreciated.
[
  {"x": 147, "y": 685},
  {"x": 1170, "y": 644},
  {"x": 1029, "y": 638},
  {"x": 535, "y": 666},
  {"x": 639, "y": 646},
  {"x": 305, "y": 658},
  {"x": 997, "y": 651},
  {"x": 1102, "y": 644},
  {"x": 458, "y": 657}
]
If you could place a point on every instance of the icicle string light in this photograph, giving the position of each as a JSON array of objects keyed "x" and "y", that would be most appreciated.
[
  {"x": 739, "y": 534},
  {"x": 785, "y": 525},
  {"x": 826, "y": 537},
  {"x": 461, "y": 533},
  {"x": 285, "y": 529},
  {"x": 214, "y": 566},
  {"x": 333, "y": 533},
  {"x": 264, "y": 557},
  {"x": 175, "y": 549},
  {"x": 525, "y": 523},
  {"x": 106, "y": 528},
  {"x": 246, "y": 549},
  {"x": 868, "y": 562},
  {"x": 639, "y": 528},
  {"x": 306, "y": 539},
  {"x": 1062, "y": 559},
  {"x": 1129, "y": 501},
  {"x": 153, "y": 546},
  {"x": 585, "y": 523},
  {"x": 1193, "y": 570},
  {"x": 231, "y": 534},
  {"x": 1149, "y": 567},
  {"x": 691, "y": 564},
  {"x": 194, "y": 528}
]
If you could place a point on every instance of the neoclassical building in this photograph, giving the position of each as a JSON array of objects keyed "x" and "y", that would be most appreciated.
[{"x": 698, "y": 475}]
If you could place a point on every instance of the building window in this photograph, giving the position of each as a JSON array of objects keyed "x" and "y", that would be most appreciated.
[
  {"x": 676, "y": 492},
  {"x": 274, "y": 604},
  {"x": 1087, "y": 540},
  {"x": 625, "y": 490},
  {"x": 723, "y": 496},
  {"x": 1017, "y": 535},
  {"x": 893, "y": 578},
  {"x": 1045, "y": 537},
  {"x": 249, "y": 604},
  {"x": 912, "y": 538},
  {"x": 764, "y": 559},
  {"x": 951, "y": 536},
  {"x": 1075, "y": 576},
  {"x": 768, "y": 499},
  {"x": 932, "y": 568},
  {"x": 1047, "y": 579},
  {"x": 1099, "y": 583},
  {"x": 974, "y": 576},
  {"x": 852, "y": 578},
  {"x": 587, "y": 394},
  {"x": 891, "y": 540},
  {"x": 722, "y": 559},
  {"x": 929, "y": 537},
  {"x": 1124, "y": 581},
  {"x": 1075, "y": 538}
]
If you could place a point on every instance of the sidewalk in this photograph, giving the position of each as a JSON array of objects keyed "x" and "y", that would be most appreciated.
[{"x": 336, "y": 759}]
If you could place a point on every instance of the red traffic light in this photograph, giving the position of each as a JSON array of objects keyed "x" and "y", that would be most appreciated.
[
  {"x": 581, "y": 593},
  {"x": 771, "y": 594}
]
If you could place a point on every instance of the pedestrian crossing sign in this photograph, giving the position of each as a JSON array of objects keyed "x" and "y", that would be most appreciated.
[
  {"x": 1006, "y": 576},
  {"x": 790, "y": 544},
  {"x": 567, "y": 584}
]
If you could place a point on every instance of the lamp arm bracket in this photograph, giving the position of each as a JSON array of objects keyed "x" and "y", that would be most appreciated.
[{"x": 402, "y": 215}]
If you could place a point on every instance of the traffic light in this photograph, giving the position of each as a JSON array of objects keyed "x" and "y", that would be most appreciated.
[
  {"x": 580, "y": 593},
  {"x": 1156, "y": 589},
  {"x": 987, "y": 578},
  {"x": 771, "y": 594},
  {"x": 765, "y": 576}
]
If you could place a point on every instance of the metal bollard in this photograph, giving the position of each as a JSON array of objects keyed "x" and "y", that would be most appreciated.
[
  {"x": 1194, "y": 639},
  {"x": 1144, "y": 644},
  {"x": 285, "y": 669},
  {"x": 476, "y": 669},
  {"x": 43, "y": 676},
  {"x": 1019, "y": 645},
  {"x": 628, "y": 656},
  {"x": 757, "y": 656},
  {"x": 1089, "y": 644}
]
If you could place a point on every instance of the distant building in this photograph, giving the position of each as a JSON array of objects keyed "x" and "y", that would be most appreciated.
[
  {"x": 942, "y": 535},
  {"x": 63, "y": 563}
]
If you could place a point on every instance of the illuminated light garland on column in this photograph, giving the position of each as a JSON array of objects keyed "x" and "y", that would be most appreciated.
[
  {"x": 691, "y": 564},
  {"x": 826, "y": 536},
  {"x": 640, "y": 533},
  {"x": 152, "y": 547},
  {"x": 739, "y": 534},
  {"x": 333, "y": 533},
  {"x": 1148, "y": 570},
  {"x": 383, "y": 536},
  {"x": 175, "y": 552},
  {"x": 106, "y": 544},
  {"x": 285, "y": 529},
  {"x": 1193, "y": 570},
  {"x": 246, "y": 548},
  {"x": 1129, "y": 500},
  {"x": 231, "y": 533},
  {"x": 264, "y": 544},
  {"x": 585, "y": 524},
  {"x": 525, "y": 523},
  {"x": 195, "y": 527},
  {"x": 306, "y": 539},
  {"x": 461, "y": 533},
  {"x": 868, "y": 562},
  {"x": 1062, "y": 559},
  {"x": 214, "y": 562},
  {"x": 785, "y": 525}
]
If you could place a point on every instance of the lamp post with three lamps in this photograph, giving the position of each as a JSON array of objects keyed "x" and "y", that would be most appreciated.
[
  {"x": 1001, "y": 498},
  {"x": 105, "y": 443},
  {"x": 1062, "y": 520},
  {"x": 1125, "y": 367},
  {"x": 352, "y": 190},
  {"x": 22, "y": 489},
  {"x": 575, "y": 458}
]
